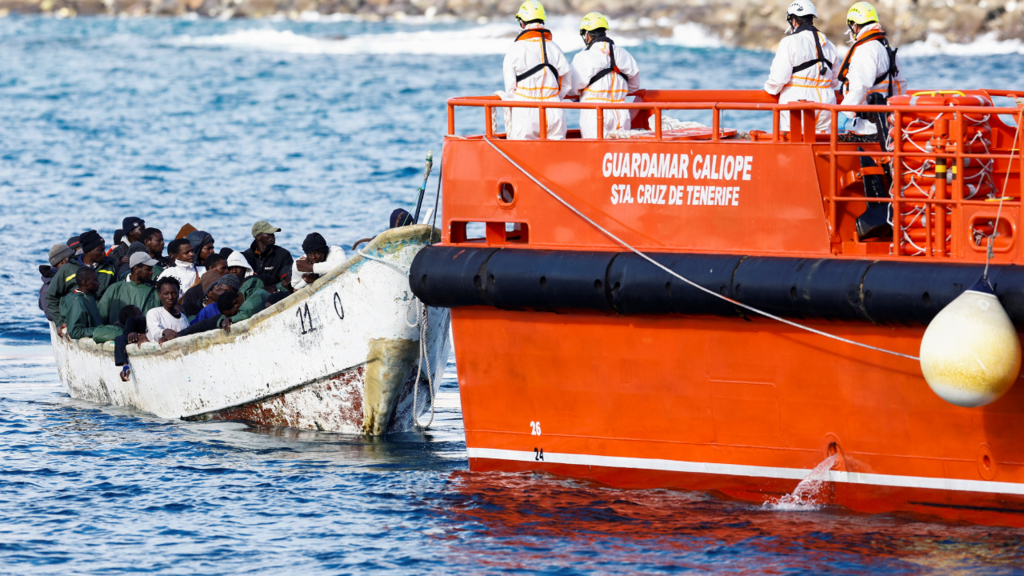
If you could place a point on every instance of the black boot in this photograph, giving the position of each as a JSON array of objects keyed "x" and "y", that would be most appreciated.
[{"x": 874, "y": 222}]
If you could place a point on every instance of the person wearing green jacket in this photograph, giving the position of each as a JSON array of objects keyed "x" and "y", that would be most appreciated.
[
  {"x": 81, "y": 314},
  {"x": 135, "y": 290},
  {"x": 64, "y": 282},
  {"x": 255, "y": 301}
]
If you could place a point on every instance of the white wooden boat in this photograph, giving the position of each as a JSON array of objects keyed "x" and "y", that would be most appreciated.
[{"x": 339, "y": 355}]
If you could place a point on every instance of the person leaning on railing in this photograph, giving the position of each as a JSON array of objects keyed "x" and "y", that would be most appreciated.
[
  {"x": 603, "y": 72},
  {"x": 801, "y": 70},
  {"x": 535, "y": 70},
  {"x": 870, "y": 67}
]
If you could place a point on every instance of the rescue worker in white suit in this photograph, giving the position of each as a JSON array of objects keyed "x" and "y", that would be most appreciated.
[
  {"x": 535, "y": 70},
  {"x": 870, "y": 67},
  {"x": 802, "y": 68},
  {"x": 603, "y": 72}
]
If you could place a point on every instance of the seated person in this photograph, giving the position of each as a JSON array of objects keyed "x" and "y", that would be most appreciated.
[
  {"x": 184, "y": 270},
  {"x": 131, "y": 231},
  {"x": 59, "y": 256},
  {"x": 63, "y": 282},
  {"x": 125, "y": 269},
  {"x": 153, "y": 238},
  {"x": 228, "y": 304},
  {"x": 79, "y": 311},
  {"x": 228, "y": 299},
  {"x": 319, "y": 260},
  {"x": 275, "y": 298},
  {"x": 193, "y": 300},
  {"x": 239, "y": 266},
  {"x": 202, "y": 245},
  {"x": 135, "y": 290},
  {"x": 164, "y": 323}
]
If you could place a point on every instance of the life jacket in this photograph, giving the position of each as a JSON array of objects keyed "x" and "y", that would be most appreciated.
[
  {"x": 544, "y": 36},
  {"x": 612, "y": 68},
  {"x": 825, "y": 64},
  {"x": 889, "y": 74}
]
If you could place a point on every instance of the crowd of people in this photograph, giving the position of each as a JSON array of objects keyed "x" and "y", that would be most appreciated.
[
  {"x": 806, "y": 68},
  {"x": 133, "y": 292}
]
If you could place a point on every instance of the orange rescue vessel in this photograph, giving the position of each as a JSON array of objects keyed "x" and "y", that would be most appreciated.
[{"x": 578, "y": 356}]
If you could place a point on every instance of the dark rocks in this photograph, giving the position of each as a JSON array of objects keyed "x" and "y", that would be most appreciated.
[{"x": 745, "y": 23}]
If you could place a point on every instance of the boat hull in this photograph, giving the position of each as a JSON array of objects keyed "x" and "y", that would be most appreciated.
[
  {"x": 745, "y": 408},
  {"x": 339, "y": 355}
]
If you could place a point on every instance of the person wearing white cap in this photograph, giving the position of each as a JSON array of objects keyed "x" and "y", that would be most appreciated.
[
  {"x": 135, "y": 290},
  {"x": 802, "y": 68}
]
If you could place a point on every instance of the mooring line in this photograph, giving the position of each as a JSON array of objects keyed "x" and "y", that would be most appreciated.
[{"x": 688, "y": 281}]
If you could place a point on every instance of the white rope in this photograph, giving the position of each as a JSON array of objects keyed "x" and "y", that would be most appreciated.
[
  {"x": 1002, "y": 195},
  {"x": 421, "y": 319},
  {"x": 691, "y": 283}
]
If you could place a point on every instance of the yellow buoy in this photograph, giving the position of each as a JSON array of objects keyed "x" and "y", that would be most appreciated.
[{"x": 970, "y": 353}]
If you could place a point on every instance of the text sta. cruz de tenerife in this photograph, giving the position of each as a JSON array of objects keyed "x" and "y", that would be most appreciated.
[{"x": 717, "y": 167}]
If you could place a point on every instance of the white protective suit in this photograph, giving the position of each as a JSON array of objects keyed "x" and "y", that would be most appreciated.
[
  {"x": 806, "y": 85},
  {"x": 335, "y": 258},
  {"x": 611, "y": 88},
  {"x": 869, "y": 61},
  {"x": 544, "y": 85}
]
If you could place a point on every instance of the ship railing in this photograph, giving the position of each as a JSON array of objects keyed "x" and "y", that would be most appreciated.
[{"x": 802, "y": 132}]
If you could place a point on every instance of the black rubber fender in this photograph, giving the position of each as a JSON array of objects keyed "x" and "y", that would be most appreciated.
[
  {"x": 803, "y": 287},
  {"x": 548, "y": 280},
  {"x": 639, "y": 287},
  {"x": 450, "y": 277}
]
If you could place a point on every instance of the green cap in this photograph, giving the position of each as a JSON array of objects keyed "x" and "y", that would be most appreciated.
[{"x": 263, "y": 227}]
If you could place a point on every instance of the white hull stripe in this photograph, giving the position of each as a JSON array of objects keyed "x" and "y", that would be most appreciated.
[{"x": 752, "y": 471}]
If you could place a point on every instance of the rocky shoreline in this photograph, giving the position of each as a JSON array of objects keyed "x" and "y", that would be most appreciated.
[{"x": 742, "y": 23}]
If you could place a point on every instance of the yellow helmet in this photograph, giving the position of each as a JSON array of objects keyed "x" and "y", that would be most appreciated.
[
  {"x": 531, "y": 10},
  {"x": 861, "y": 13},
  {"x": 593, "y": 21}
]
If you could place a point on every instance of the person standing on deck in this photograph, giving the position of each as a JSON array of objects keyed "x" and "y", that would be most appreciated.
[
  {"x": 870, "y": 68},
  {"x": 603, "y": 72},
  {"x": 802, "y": 68},
  {"x": 535, "y": 70}
]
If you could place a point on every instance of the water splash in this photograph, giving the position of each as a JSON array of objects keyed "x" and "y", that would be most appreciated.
[{"x": 806, "y": 497}]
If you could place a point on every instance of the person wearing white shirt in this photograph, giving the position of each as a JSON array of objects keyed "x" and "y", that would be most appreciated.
[
  {"x": 870, "y": 67},
  {"x": 802, "y": 68},
  {"x": 184, "y": 270},
  {"x": 535, "y": 70},
  {"x": 603, "y": 72},
  {"x": 319, "y": 260},
  {"x": 164, "y": 322}
]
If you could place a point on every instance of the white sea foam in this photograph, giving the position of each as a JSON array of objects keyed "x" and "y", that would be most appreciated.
[
  {"x": 691, "y": 35},
  {"x": 434, "y": 36},
  {"x": 809, "y": 493},
  {"x": 984, "y": 45},
  {"x": 490, "y": 38}
]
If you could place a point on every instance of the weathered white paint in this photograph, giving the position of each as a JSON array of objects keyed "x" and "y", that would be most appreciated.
[{"x": 269, "y": 358}]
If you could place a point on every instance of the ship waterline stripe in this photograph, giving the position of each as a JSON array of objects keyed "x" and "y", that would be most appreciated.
[{"x": 922, "y": 482}]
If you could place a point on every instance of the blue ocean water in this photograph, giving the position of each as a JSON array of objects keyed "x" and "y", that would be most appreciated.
[{"x": 323, "y": 126}]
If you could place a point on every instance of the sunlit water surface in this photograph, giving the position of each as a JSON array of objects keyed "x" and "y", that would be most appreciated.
[{"x": 323, "y": 126}]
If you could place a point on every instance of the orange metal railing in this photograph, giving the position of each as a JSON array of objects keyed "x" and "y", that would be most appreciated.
[{"x": 802, "y": 132}]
